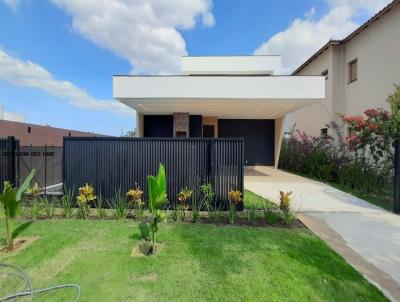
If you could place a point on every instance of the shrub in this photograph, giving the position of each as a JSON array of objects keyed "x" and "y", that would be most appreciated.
[
  {"x": 235, "y": 198},
  {"x": 119, "y": 205},
  {"x": 251, "y": 215},
  {"x": 285, "y": 201},
  {"x": 146, "y": 247},
  {"x": 271, "y": 216},
  {"x": 85, "y": 197},
  {"x": 11, "y": 199},
  {"x": 101, "y": 211},
  {"x": 34, "y": 204},
  {"x": 182, "y": 206},
  {"x": 134, "y": 196},
  {"x": 66, "y": 203},
  {"x": 288, "y": 214},
  {"x": 49, "y": 206},
  {"x": 196, "y": 207}
]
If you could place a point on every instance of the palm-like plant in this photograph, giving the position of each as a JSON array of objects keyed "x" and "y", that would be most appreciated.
[
  {"x": 11, "y": 199},
  {"x": 157, "y": 187}
]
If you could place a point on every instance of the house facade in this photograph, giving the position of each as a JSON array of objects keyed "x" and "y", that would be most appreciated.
[
  {"x": 360, "y": 72},
  {"x": 10, "y": 116},
  {"x": 38, "y": 135},
  {"x": 221, "y": 97}
]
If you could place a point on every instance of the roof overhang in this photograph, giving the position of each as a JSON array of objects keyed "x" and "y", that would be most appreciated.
[{"x": 223, "y": 96}]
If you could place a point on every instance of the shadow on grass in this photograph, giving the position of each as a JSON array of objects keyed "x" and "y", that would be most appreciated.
[
  {"x": 22, "y": 227},
  {"x": 215, "y": 248}
]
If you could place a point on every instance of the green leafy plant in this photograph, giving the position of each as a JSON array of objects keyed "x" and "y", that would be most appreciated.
[
  {"x": 119, "y": 206},
  {"x": 251, "y": 215},
  {"x": 196, "y": 207},
  {"x": 144, "y": 231},
  {"x": 66, "y": 203},
  {"x": 11, "y": 199},
  {"x": 271, "y": 215},
  {"x": 235, "y": 198},
  {"x": 85, "y": 197},
  {"x": 146, "y": 247},
  {"x": 101, "y": 211},
  {"x": 157, "y": 186},
  {"x": 207, "y": 199},
  {"x": 289, "y": 217},
  {"x": 34, "y": 204},
  {"x": 49, "y": 206}
]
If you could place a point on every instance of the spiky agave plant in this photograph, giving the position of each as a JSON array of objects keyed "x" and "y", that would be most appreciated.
[
  {"x": 157, "y": 187},
  {"x": 11, "y": 199}
]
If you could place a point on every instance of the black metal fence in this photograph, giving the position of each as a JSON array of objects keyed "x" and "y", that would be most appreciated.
[
  {"x": 112, "y": 164},
  {"x": 8, "y": 161},
  {"x": 16, "y": 162}
]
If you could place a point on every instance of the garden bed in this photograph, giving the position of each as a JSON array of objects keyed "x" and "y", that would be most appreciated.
[{"x": 200, "y": 262}]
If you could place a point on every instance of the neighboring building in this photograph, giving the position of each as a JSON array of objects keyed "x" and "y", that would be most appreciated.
[
  {"x": 8, "y": 116},
  {"x": 360, "y": 71},
  {"x": 233, "y": 96},
  {"x": 36, "y": 135}
]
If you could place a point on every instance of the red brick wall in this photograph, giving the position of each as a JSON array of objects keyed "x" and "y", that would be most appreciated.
[{"x": 39, "y": 135}]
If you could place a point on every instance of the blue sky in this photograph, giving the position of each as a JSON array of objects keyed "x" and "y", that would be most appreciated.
[{"x": 57, "y": 57}]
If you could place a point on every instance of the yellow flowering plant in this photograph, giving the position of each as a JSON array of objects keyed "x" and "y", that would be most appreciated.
[
  {"x": 135, "y": 196},
  {"x": 86, "y": 195},
  {"x": 235, "y": 198}
]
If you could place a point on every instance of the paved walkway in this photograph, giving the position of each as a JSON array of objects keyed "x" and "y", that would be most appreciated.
[{"x": 366, "y": 235}]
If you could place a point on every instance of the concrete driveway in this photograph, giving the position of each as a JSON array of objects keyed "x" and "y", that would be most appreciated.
[{"x": 367, "y": 236}]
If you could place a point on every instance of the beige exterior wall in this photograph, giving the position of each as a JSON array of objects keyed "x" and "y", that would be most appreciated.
[
  {"x": 377, "y": 50},
  {"x": 314, "y": 117}
]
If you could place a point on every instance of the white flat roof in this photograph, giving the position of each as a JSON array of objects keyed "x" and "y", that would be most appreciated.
[
  {"x": 231, "y": 65},
  {"x": 223, "y": 96}
]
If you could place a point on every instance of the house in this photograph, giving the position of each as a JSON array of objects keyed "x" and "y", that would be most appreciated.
[
  {"x": 37, "y": 135},
  {"x": 9, "y": 116},
  {"x": 360, "y": 72},
  {"x": 221, "y": 97}
]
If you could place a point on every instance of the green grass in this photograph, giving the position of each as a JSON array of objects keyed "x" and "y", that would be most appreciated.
[
  {"x": 199, "y": 263},
  {"x": 253, "y": 200}
]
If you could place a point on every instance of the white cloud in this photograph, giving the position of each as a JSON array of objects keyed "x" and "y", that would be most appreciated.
[
  {"x": 145, "y": 32},
  {"x": 13, "y": 4},
  {"x": 305, "y": 36},
  {"x": 28, "y": 74}
]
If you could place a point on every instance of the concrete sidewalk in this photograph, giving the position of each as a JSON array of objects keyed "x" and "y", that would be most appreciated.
[{"x": 366, "y": 235}]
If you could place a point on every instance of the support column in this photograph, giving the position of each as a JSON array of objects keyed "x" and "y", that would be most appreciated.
[
  {"x": 139, "y": 125},
  {"x": 279, "y": 131}
]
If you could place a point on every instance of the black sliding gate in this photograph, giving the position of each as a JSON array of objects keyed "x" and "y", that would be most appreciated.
[
  {"x": 9, "y": 148},
  {"x": 112, "y": 164}
]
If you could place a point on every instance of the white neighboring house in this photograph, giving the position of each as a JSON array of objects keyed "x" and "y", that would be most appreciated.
[
  {"x": 9, "y": 116},
  {"x": 360, "y": 71},
  {"x": 221, "y": 97}
]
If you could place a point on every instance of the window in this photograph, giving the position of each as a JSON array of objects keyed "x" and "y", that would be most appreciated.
[
  {"x": 353, "y": 71},
  {"x": 29, "y": 129},
  {"x": 324, "y": 132},
  {"x": 325, "y": 74}
]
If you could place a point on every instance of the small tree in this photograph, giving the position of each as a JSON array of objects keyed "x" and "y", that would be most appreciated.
[
  {"x": 157, "y": 187},
  {"x": 11, "y": 199}
]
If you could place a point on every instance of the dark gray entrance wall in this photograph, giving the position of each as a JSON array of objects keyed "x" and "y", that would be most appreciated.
[
  {"x": 158, "y": 125},
  {"x": 258, "y": 135}
]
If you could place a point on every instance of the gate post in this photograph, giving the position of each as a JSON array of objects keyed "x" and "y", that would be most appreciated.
[
  {"x": 396, "y": 201},
  {"x": 11, "y": 163}
]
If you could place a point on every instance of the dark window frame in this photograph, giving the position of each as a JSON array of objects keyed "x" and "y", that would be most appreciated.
[{"x": 350, "y": 67}]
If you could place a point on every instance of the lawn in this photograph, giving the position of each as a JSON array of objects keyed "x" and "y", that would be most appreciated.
[
  {"x": 252, "y": 200},
  {"x": 199, "y": 262}
]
